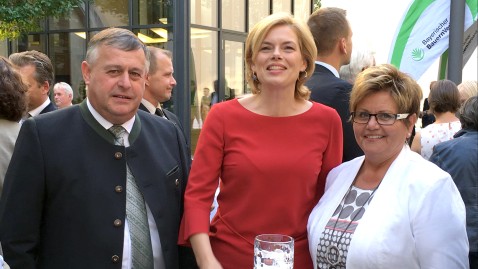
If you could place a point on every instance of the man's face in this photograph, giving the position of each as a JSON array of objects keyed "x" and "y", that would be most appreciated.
[
  {"x": 159, "y": 85},
  {"x": 62, "y": 98},
  {"x": 37, "y": 93},
  {"x": 115, "y": 82}
]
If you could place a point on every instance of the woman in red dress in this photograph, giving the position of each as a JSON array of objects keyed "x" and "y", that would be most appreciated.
[{"x": 272, "y": 150}]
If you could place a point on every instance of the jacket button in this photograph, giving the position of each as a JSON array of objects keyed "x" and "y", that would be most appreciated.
[
  {"x": 176, "y": 182},
  {"x": 117, "y": 223},
  {"x": 115, "y": 259},
  {"x": 118, "y": 155},
  {"x": 118, "y": 189}
]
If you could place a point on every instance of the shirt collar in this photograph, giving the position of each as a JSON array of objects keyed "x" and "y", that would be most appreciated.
[
  {"x": 328, "y": 66},
  {"x": 151, "y": 108},
  {"x": 128, "y": 125},
  {"x": 36, "y": 111}
]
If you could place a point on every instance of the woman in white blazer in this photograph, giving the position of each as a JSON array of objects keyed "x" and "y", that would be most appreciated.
[{"x": 390, "y": 208}]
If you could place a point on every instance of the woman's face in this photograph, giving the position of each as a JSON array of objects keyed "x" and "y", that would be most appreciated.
[
  {"x": 279, "y": 59},
  {"x": 381, "y": 142}
]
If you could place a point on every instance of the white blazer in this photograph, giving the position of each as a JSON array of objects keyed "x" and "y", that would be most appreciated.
[{"x": 415, "y": 220}]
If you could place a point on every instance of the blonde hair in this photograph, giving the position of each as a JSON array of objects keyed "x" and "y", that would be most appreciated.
[
  {"x": 404, "y": 90},
  {"x": 306, "y": 44},
  {"x": 468, "y": 89}
]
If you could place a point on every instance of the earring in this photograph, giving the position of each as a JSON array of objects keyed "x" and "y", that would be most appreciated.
[
  {"x": 254, "y": 77},
  {"x": 305, "y": 75}
]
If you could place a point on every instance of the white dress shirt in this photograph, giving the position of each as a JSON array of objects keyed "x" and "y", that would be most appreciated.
[
  {"x": 36, "y": 111},
  {"x": 151, "y": 108}
]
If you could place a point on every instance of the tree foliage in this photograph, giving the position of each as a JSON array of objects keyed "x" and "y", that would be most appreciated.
[
  {"x": 317, "y": 4},
  {"x": 23, "y": 16}
]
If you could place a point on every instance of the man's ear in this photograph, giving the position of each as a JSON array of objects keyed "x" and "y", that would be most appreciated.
[
  {"x": 45, "y": 87},
  {"x": 85, "y": 71},
  {"x": 343, "y": 45},
  {"x": 146, "y": 81}
]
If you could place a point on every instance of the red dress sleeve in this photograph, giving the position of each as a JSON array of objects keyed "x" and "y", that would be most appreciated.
[{"x": 204, "y": 177}]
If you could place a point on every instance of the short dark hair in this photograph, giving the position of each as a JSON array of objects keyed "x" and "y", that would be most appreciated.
[
  {"x": 328, "y": 25},
  {"x": 468, "y": 114},
  {"x": 13, "y": 98},
  {"x": 43, "y": 65},
  {"x": 444, "y": 96}
]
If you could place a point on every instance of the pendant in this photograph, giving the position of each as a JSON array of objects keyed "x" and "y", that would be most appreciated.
[{"x": 332, "y": 255}]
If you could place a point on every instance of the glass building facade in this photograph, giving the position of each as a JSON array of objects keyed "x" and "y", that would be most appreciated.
[{"x": 206, "y": 37}]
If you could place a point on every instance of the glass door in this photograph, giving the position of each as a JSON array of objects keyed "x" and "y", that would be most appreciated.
[{"x": 231, "y": 83}]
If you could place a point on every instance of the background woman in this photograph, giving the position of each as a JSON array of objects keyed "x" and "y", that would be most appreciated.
[
  {"x": 13, "y": 105},
  {"x": 444, "y": 100},
  {"x": 272, "y": 151},
  {"x": 390, "y": 208}
]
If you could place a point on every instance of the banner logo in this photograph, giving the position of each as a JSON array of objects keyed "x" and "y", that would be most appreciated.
[
  {"x": 418, "y": 54},
  {"x": 423, "y": 35}
]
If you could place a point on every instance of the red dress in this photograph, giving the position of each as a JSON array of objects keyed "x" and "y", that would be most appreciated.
[{"x": 272, "y": 172}]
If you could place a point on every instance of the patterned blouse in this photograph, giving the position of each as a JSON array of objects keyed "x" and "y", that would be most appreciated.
[
  {"x": 436, "y": 133},
  {"x": 335, "y": 240}
]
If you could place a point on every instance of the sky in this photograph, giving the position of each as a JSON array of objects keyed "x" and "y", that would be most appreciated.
[{"x": 374, "y": 24}]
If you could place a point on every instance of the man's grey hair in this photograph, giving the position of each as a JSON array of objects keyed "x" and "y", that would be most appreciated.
[
  {"x": 65, "y": 86},
  {"x": 118, "y": 38}
]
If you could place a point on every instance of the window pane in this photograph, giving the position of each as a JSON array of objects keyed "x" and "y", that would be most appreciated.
[
  {"x": 109, "y": 13},
  {"x": 155, "y": 36},
  {"x": 302, "y": 9},
  {"x": 203, "y": 73},
  {"x": 257, "y": 11},
  {"x": 233, "y": 15},
  {"x": 204, "y": 12},
  {"x": 281, "y": 6},
  {"x": 67, "y": 51},
  {"x": 234, "y": 69},
  {"x": 153, "y": 12},
  {"x": 32, "y": 42},
  {"x": 74, "y": 20}
]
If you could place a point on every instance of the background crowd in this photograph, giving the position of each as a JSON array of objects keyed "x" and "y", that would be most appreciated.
[{"x": 325, "y": 149}]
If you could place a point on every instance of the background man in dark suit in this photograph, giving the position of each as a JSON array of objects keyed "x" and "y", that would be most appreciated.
[
  {"x": 67, "y": 194},
  {"x": 159, "y": 86},
  {"x": 333, "y": 39},
  {"x": 37, "y": 73}
]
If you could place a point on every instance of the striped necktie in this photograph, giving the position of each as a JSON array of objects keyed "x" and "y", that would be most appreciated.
[{"x": 141, "y": 250}]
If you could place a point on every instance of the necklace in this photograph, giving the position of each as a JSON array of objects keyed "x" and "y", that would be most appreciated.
[{"x": 332, "y": 252}]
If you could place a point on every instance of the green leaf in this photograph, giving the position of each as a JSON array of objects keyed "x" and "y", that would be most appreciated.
[{"x": 22, "y": 16}]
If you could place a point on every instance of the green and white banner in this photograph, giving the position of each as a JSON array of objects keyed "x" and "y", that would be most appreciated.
[{"x": 423, "y": 34}]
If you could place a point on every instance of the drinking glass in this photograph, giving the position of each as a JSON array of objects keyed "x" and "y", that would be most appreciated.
[{"x": 273, "y": 251}]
